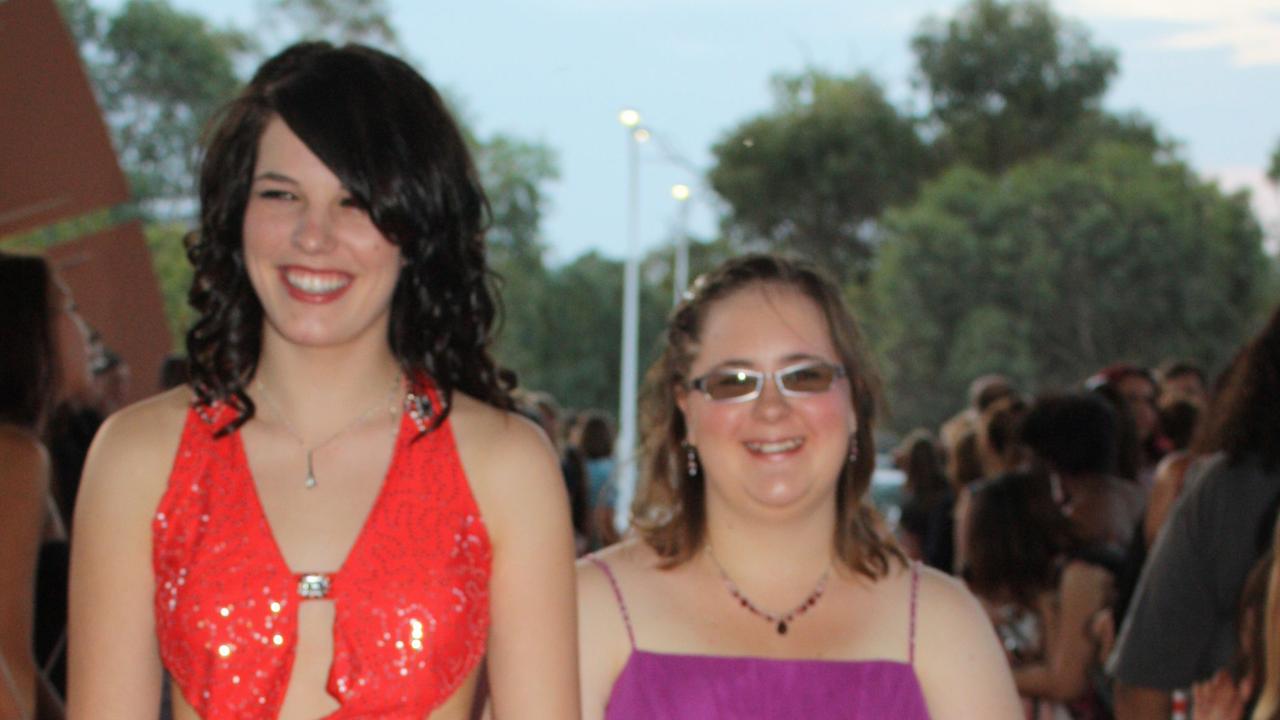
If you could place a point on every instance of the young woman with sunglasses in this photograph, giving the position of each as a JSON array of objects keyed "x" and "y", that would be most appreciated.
[
  {"x": 760, "y": 584},
  {"x": 340, "y": 517}
]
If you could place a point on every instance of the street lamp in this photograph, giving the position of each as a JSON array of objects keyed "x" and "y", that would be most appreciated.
[
  {"x": 680, "y": 192},
  {"x": 624, "y": 451}
]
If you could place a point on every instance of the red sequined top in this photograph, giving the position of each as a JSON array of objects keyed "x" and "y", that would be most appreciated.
[{"x": 411, "y": 600}]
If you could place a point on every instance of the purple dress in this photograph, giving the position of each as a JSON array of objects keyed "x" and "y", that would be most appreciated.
[{"x": 712, "y": 687}]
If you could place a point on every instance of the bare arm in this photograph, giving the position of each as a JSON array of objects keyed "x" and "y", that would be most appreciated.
[
  {"x": 1164, "y": 493},
  {"x": 1064, "y": 673},
  {"x": 532, "y": 659},
  {"x": 961, "y": 667},
  {"x": 114, "y": 665},
  {"x": 24, "y": 475},
  {"x": 1141, "y": 703}
]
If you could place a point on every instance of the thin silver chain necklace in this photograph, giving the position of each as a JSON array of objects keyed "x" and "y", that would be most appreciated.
[
  {"x": 310, "y": 481},
  {"x": 780, "y": 621}
]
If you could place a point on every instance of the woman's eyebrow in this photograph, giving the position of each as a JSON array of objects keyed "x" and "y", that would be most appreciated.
[{"x": 273, "y": 175}]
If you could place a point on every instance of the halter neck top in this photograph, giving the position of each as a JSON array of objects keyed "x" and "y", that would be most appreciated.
[
  {"x": 411, "y": 604},
  {"x": 713, "y": 687}
]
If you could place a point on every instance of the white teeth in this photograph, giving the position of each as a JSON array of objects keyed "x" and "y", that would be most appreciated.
[
  {"x": 316, "y": 283},
  {"x": 775, "y": 447}
]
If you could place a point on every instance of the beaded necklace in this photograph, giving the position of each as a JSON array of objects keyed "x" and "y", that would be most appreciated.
[{"x": 780, "y": 620}]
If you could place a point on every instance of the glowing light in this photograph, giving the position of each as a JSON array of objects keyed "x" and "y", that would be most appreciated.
[
  {"x": 680, "y": 192},
  {"x": 629, "y": 117}
]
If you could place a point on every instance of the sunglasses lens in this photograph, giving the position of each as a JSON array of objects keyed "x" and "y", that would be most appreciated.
[
  {"x": 729, "y": 385},
  {"x": 809, "y": 378}
]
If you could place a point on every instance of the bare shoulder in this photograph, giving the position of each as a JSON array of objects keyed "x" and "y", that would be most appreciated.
[
  {"x": 25, "y": 471},
  {"x": 949, "y": 619},
  {"x": 1081, "y": 578},
  {"x": 602, "y": 627},
  {"x": 23, "y": 453},
  {"x": 480, "y": 428},
  {"x": 134, "y": 449},
  {"x": 629, "y": 561},
  {"x": 511, "y": 466},
  {"x": 961, "y": 667}
]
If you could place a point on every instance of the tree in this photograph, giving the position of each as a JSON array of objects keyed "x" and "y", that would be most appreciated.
[
  {"x": 1055, "y": 269},
  {"x": 338, "y": 21},
  {"x": 171, "y": 72},
  {"x": 1274, "y": 171},
  {"x": 814, "y": 173},
  {"x": 159, "y": 75},
  {"x": 1008, "y": 80}
]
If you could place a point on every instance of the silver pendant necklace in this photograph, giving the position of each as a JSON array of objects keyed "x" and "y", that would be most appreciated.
[
  {"x": 310, "y": 481},
  {"x": 780, "y": 621}
]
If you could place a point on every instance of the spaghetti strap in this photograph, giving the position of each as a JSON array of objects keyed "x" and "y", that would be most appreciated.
[
  {"x": 911, "y": 633},
  {"x": 617, "y": 593}
]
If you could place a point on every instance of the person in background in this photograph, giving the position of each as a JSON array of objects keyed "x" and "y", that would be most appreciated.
[
  {"x": 1181, "y": 626},
  {"x": 925, "y": 490},
  {"x": 1074, "y": 437},
  {"x": 43, "y": 353},
  {"x": 1136, "y": 387},
  {"x": 593, "y": 438},
  {"x": 341, "y": 516},
  {"x": 1182, "y": 379},
  {"x": 983, "y": 391},
  {"x": 1042, "y": 595},
  {"x": 964, "y": 467},
  {"x": 757, "y": 582},
  {"x": 1252, "y": 689}
]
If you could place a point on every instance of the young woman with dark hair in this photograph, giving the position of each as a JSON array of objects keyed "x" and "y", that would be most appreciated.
[
  {"x": 42, "y": 349},
  {"x": 340, "y": 516},
  {"x": 1043, "y": 598},
  {"x": 760, "y": 583},
  {"x": 1075, "y": 437}
]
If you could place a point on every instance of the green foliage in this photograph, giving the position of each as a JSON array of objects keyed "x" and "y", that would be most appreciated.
[
  {"x": 814, "y": 173},
  {"x": 1008, "y": 80},
  {"x": 1056, "y": 268},
  {"x": 1274, "y": 171},
  {"x": 563, "y": 331},
  {"x": 174, "y": 272},
  {"x": 159, "y": 75},
  {"x": 338, "y": 21},
  {"x": 515, "y": 173}
]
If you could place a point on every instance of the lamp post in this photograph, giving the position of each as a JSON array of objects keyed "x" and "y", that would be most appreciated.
[
  {"x": 680, "y": 280},
  {"x": 624, "y": 450}
]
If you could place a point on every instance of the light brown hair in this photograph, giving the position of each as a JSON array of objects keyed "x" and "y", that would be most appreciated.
[{"x": 670, "y": 507}]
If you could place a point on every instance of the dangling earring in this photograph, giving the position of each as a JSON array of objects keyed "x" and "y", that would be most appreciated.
[
  {"x": 692, "y": 460},
  {"x": 853, "y": 449}
]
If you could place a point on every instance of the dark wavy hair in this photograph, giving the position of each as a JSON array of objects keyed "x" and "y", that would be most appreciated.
[
  {"x": 385, "y": 132},
  {"x": 1244, "y": 415},
  {"x": 670, "y": 507},
  {"x": 1076, "y": 433},
  {"x": 28, "y": 350},
  {"x": 1016, "y": 534}
]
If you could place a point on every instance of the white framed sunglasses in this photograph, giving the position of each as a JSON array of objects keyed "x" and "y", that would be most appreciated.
[{"x": 729, "y": 385}]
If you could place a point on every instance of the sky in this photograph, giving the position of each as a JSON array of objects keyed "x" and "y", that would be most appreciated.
[{"x": 559, "y": 72}]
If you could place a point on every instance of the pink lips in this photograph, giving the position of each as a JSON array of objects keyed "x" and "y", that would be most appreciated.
[
  {"x": 314, "y": 286},
  {"x": 774, "y": 449}
]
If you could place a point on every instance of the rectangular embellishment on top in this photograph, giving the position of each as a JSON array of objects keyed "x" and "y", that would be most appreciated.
[{"x": 313, "y": 586}]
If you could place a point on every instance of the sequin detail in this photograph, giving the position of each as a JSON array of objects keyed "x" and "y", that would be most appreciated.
[{"x": 411, "y": 605}]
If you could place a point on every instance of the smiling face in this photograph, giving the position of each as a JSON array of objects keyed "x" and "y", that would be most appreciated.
[
  {"x": 777, "y": 452},
  {"x": 320, "y": 267}
]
